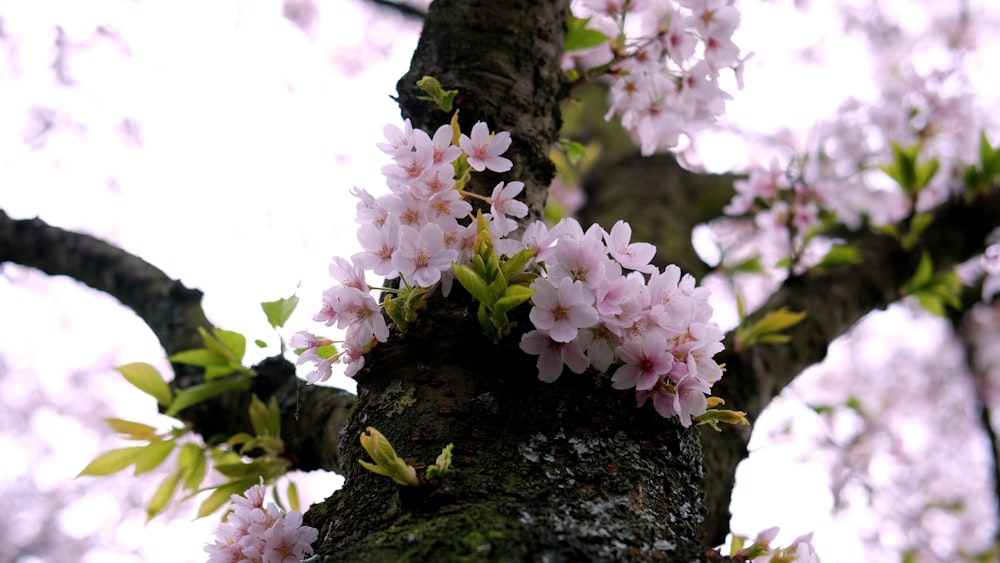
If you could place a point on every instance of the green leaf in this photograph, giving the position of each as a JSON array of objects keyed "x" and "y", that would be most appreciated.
[
  {"x": 435, "y": 93},
  {"x": 200, "y": 357},
  {"x": 161, "y": 498},
  {"x": 989, "y": 158},
  {"x": 840, "y": 255},
  {"x": 221, "y": 495},
  {"x": 326, "y": 351},
  {"x": 472, "y": 282},
  {"x": 134, "y": 430},
  {"x": 239, "y": 469},
  {"x": 153, "y": 455},
  {"x": 260, "y": 343},
  {"x": 903, "y": 167},
  {"x": 148, "y": 380},
  {"x": 774, "y": 339},
  {"x": 516, "y": 263},
  {"x": 198, "y": 393},
  {"x": 238, "y": 438},
  {"x": 923, "y": 275},
  {"x": 931, "y": 303},
  {"x": 775, "y": 321},
  {"x": 579, "y": 36},
  {"x": 234, "y": 342},
  {"x": 112, "y": 461},
  {"x": 498, "y": 286},
  {"x": 513, "y": 296},
  {"x": 279, "y": 311},
  {"x": 768, "y": 329},
  {"x": 575, "y": 152},
  {"x": 750, "y": 265},
  {"x": 266, "y": 419},
  {"x": 191, "y": 461},
  {"x": 293, "y": 496},
  {"x": 394, "y": 309},
  {"x": 925, "y": 172},
  {"x": 487, "y": 323}
]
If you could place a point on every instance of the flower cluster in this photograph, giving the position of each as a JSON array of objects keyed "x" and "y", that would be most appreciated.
[
  {"x": 413, "y": 233},
  {"x": 665, "y": 59},
  {"x": 602, "y": 304},
  {"x": 255, "y": 534},
  {"x": 595, "y": 301}
]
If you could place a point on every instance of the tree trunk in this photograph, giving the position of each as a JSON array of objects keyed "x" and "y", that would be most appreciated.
[{"x": 569, "y": 471}]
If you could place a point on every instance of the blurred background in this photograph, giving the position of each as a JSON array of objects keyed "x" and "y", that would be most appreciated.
[{"x": 219, "y": 140}]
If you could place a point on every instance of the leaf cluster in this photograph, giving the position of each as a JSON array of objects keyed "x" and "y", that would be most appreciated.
[
  {"x": 499, "y": 285},
  {"x": 221, "y": 357}
]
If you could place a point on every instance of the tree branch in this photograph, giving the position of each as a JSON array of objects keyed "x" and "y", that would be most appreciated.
[
  {"x": 401, "y": 8},
  {"x": 833, "y": 301},
  {"x": 173, "y": 312}
]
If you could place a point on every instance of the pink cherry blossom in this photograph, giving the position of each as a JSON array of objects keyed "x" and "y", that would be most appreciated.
[
  {"x": 502, "y": 204},
  {"x": 552, "y": 354},
  {"x": 689, "y": 399},
  {"x": 561, "y": 309},
  {"x": 380, "y": 245},
  {"x": 422, "y": 255},
  {"x": 634, "y": 256},
  {"x": 484, "y": 151},
  {"x": 254, "y": 533},
  {"x": 646, "y": 360}
]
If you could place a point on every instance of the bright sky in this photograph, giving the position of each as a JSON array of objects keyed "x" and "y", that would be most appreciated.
[{"x": 250, "y": 135}]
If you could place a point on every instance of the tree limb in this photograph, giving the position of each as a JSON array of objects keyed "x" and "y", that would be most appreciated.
[
  {"x": 833, "y": 301},
  {"x": 173, "y": 312}
]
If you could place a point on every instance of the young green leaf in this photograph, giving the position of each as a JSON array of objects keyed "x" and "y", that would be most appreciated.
[
  {"x": 191, "y": 463},
  {"x": 198, "y": 393},
  {"x": 768, "y": 329},
  {"x": 221, "y": 495},
  {"x": 444, "y": 99},
  {"x": 516, "y": 263},
  {"x": 234, "y": 342},
  {"x": 293, "y": 496},
  {"x": 161, "y": 498},
  {"x": 200, "y": 357},
  {"x": 112, "y": 461},
  {"x": 579, "y": 36},
  {"x": 279, "y": 311},
  {"x": 472, "y": 282},
  {"x": 153, "y": 455},
  {"x": 513, "y": 296},
  {"x": 134, "y": 430},
  {"x": 266, "y": 419},
  {"x": 840, "y": 255},
  {"x": 148, "y": 380}
]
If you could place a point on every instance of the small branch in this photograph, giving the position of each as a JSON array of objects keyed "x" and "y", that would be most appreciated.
[
  {"x": 311, "y": 415},
  {"x": 172, "y": 311},
  {"x": 402, "y": 8}
]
